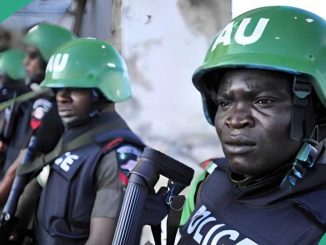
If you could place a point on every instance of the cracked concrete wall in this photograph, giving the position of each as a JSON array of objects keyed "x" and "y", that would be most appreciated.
[{"x": 163, "y": 43}]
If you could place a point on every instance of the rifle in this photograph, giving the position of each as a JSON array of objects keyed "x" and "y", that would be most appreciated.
[
  {"x": 9, "y": 124},
  {"x": 141, "y": 205},
  {"x": 7, "y": 219},
  {"x": 41, "y": 142},
  {"x": 26, "y": 96}
]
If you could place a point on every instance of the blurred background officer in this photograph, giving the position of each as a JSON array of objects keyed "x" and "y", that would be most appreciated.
[
  {"x": 25, "y": 117},
  {"x": 84, "y": 186},
  {"x": 41, "y": 41},
  {"x": 12, "y": 75}
]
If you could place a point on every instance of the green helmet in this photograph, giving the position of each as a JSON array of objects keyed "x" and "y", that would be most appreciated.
[
  {"x": 47, "y": 38},
  {"x": 89, "y": 63},
  {"x": 280, "y": 38},
  {"x": 11, "y": 64}
]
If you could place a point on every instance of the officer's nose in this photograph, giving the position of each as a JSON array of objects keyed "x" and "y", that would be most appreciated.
[
  {"x": 63, "y": 95},
  {"x": 240, "y": 116}
]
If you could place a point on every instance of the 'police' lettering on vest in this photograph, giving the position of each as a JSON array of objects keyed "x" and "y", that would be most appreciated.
[
  {"x": 205, "y": 229},
  {"x": 224, "y": 36},
  {"x": 66, "y": 161}
]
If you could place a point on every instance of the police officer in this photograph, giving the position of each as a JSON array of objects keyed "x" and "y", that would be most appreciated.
[
  {"x": 12, "y": 84},
  {"x": 12, "y": 76},
  {"x": 263, "y": 85},
  {"x": 84, "y": 186},
  {"x": 40, "y": 42}
]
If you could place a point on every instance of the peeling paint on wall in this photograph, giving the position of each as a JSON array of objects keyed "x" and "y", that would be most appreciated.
[
  {"x": 205, "y": 17},
  {"x": 163, "y": 43}
]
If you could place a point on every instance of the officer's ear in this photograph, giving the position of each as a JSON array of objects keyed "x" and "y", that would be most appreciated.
[{"x": 100, "y": 100}]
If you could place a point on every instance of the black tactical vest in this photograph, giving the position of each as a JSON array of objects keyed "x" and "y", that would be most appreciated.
[
  {"x": 21, "y": 132},
  {"x": 67, "y": 200},
  {"x": 221, "y": 218}
]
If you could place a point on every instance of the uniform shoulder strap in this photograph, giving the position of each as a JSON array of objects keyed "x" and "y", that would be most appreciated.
[
  {"x": 125, "y": 135},
  {"x": 128, "y": 147},
  {"x": 189, "y": 206}
]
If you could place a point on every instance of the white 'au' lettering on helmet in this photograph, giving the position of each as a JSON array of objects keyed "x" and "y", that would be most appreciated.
[
  {"x": 58, "y": 62},
  {"x": 225, "y": 35}
]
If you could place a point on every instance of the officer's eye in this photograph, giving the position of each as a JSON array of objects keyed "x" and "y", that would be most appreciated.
[
  {"x": 33, "y": 54},
  {"x": 56, "y": 90},
  {"x": 223, "y": 103},
  {"x": 264, "y": 101}
]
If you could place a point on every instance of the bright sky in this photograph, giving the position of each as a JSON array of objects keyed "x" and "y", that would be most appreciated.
[{"x": 316, "y": 6}]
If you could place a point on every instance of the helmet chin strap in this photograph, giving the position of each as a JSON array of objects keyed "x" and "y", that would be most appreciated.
[
  {"x": 304, "y": 160},
  {"x": 301, "y": 116},
  {"x": 304, "y": 128},
  {"x": 322, "y": 130},
  {"x": 82, "y": 120}
]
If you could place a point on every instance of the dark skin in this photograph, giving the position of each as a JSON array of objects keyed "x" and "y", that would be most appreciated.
[
  {"x": 253, "y": 121},
  {"x": 74, "y": 105},
  {"x": 33, "y": 63},
  {"x": 8, "y": 179},
  {"x": 34, "y": 67}
]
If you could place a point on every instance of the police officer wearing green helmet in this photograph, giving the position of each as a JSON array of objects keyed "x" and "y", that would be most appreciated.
[
  {"x": 25, "y": 117},
  {"x": 12, "y": 73},
  {"x": 263, "y": 86},
  {"x": 87, "y": 174},
  {"x": 12, "y": 76},
  {"x": 12, "y": 84},
  {"x": 41, "y": 41}
]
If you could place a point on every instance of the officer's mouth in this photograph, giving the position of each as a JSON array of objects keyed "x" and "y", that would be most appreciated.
[
  {"x": 238, "y": 149},
  {"x": 238, "y": 145},
  {"x": 65, "y": 113}
]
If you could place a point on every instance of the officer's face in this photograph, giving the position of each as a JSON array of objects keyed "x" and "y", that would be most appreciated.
[
  {"x": 73, "y": 104},
  {"x": 33, "y": 63},
  {"x": 253, "y": 120}
]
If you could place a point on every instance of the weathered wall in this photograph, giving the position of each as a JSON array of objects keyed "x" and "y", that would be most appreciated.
[
  {"x": 97, "y": 19},
  {"x": 163, "y": 43}
]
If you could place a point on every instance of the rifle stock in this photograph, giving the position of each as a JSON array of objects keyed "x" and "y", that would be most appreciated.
[{"x": 141, "y": 205}]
